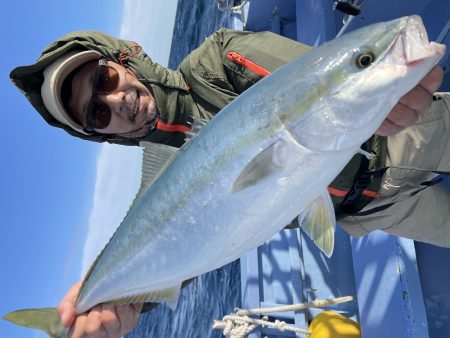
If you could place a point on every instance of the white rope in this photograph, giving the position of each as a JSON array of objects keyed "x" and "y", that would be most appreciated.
[
  {"x": 317, "y": 303},
  {"x": 239, "y": 325}
]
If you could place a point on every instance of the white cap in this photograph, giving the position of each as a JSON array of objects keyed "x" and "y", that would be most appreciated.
[{"x": 54, "y": 76}]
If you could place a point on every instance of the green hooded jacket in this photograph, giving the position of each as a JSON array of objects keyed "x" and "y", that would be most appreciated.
[
  {"x": 204, "y": 83},
  {"x": 168, "y": 86},
  {"x": 209, "y": 78}
]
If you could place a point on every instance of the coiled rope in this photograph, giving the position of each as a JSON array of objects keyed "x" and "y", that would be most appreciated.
[{"x": 239, "y": 324}]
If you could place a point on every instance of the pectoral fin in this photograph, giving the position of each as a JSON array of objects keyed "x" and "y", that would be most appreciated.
[
  {"x": 45, "y": 319},
  {"x": 319, "y": 222},
  {"x": 261, "y": 166}
]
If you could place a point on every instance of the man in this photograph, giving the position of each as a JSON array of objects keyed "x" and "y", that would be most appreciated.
[{"x": 100, "y": 88}]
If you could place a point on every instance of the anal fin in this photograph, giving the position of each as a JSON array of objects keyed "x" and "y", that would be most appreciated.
[
  {"x": 168, "y": 296},
  {"x": 319, "y": 222}
]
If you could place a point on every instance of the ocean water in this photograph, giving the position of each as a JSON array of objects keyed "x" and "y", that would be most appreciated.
[
  {"x": 194, "y": 22},
  {"x": 217, "y": 293}
]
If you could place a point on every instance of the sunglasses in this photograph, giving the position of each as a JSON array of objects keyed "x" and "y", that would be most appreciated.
[{"x": 105, "y": 80}]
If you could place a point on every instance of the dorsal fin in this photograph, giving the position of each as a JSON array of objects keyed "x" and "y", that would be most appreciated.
[
  {"x": 155, "y": 157},
  {"x": 196, "y": 126}
]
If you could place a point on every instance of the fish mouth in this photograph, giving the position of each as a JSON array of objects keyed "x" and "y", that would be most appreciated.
[{"x": 416, "y": 45}]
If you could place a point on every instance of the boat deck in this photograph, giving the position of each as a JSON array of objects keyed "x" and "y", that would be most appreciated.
[{"x": 402, "y": 286}]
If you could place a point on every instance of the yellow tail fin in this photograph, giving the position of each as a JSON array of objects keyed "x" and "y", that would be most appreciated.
[{"x": 45, "y": 319}]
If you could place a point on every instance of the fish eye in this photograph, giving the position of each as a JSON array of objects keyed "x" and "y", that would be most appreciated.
[{"x": 364, "y": 60}]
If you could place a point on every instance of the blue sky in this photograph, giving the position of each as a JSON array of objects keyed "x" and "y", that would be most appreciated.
[{"x": 61, "y": 197}]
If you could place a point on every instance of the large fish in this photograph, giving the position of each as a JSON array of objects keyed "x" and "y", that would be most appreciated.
[{"x": 265, "y": 158}]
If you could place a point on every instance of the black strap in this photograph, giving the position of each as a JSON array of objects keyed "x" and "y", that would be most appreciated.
[
  {"x": 361, "y": 181},
  {"x": 380, "y": 172}
]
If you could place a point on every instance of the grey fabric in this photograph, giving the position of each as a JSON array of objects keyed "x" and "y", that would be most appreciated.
[{"x": 426, "y": 215}]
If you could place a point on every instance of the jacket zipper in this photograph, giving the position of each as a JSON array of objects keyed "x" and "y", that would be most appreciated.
[{"x": 243, "y": 61}]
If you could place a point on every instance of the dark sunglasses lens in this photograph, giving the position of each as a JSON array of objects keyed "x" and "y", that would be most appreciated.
[
  {"x": 106, "y": 79},
  {"x": 98, "y": 115}
]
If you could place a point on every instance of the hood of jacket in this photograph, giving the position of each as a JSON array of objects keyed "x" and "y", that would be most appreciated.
[{"x": 168, "y": 86}]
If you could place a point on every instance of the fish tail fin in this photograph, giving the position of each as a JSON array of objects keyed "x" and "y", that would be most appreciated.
[{"x": 45, "y": 319}]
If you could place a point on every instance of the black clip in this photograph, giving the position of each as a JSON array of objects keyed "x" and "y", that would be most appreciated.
[{"x": 347, "y": 8}]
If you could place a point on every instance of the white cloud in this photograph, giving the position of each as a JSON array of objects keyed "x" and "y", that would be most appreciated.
[
  {"x": 150, "y": 23},
  {"x": 117, "y": 181}
]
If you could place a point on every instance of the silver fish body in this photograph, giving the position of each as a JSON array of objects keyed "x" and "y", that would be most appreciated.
[
  {"x": 302, "y": 124},
  {"x": 259, "y": 163}
]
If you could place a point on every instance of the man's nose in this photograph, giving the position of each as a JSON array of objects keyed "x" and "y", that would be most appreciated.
[{"x": 116, "y": 101}]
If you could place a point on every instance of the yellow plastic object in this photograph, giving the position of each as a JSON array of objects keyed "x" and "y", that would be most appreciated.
[{"x": 330, "y": 324}]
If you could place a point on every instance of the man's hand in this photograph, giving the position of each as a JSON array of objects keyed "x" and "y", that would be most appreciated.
[
  {"x": 100, "y": 321},
  {"x": 412, "y": 104}
]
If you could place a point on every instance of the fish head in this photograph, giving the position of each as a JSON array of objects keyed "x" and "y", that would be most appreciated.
[{"x": 361, "y": 78}]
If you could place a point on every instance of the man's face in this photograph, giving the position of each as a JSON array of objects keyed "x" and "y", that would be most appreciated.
[{"x": 132, "y": 105}]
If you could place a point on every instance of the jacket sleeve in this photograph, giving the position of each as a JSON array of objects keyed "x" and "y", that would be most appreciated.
[{"x": 216, "y": 78}]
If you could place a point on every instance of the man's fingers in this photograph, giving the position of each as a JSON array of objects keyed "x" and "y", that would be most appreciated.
[
  {"x": 403, "y": 116},
  {"x": 412, "y": 104},
  {"x": 418, "y": 99},
  {"x": 110, "y": 320},
  {"x": 71, "y": 295},
  {"x": 388, "y": 128},
  {"x": 128, "y": 317},
  {"x": 67, "y": 312},
  {"x": 137, "y": 308},
  {"x": 94, "y": 326},
  {"x": 66, "y": 308},
  {"x": 77, "y": 329},
  {"x": 400, "y": 117},
  {"x": 106, "y": 321},
  {"x": 432, "y": 81}
]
